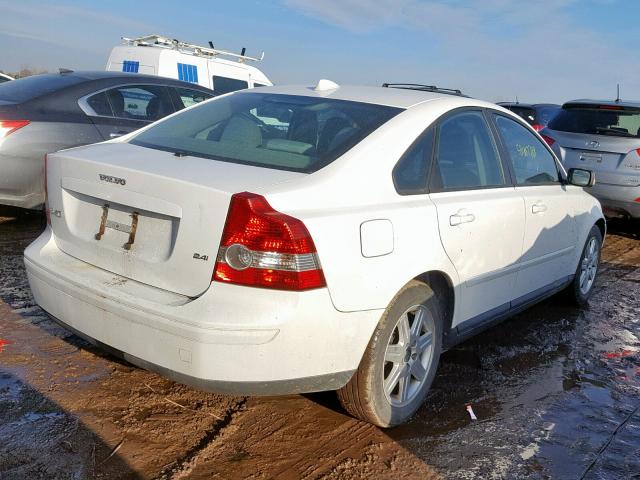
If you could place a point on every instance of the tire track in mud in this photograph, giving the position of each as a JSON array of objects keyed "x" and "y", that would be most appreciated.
[
  {"x": 181, "y": 467},
  {"x": 301, "y": 437}
]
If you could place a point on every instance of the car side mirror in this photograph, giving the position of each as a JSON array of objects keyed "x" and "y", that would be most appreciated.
[{"x": 581, "y": 177}]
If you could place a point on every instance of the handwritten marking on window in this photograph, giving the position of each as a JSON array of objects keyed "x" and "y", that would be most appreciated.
[{"x": 526, "y": 150}]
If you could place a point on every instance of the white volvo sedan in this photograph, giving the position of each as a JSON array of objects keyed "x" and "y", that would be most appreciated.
[{"x": 298, "y": 239}]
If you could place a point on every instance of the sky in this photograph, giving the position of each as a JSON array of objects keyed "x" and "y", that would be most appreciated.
[{"x": 535, "y": 50}]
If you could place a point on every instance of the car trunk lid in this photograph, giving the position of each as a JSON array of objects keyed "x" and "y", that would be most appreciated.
[{"x": 146, "y": 214}]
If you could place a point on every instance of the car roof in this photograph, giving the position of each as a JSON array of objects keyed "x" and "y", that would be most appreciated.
[
  {"x": 109, "y": 75},
  {"x": 389, "y": 96},
  {"x": 527, "y": 105},
  {"x": 620, "y": 103}
]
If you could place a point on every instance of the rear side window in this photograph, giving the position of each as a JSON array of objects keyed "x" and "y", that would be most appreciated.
[
  {"x": 133, "y": 102},
  {"x": 531, "y": 161},
  {"x": 466, "y": 155},
  {"x": 190, "y": 97},
  {"x": 287, "y": 132},
  {"x": 598, "y": 120},
  {"x": 28, "y": 88},
  {"x": 222, "y": 85},
  {"x": 410, "y": 173}
]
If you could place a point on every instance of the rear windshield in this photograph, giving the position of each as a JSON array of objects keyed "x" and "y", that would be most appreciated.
[
  {"x": 529, "y": 114},
  {"x": 25, "y": 89},
  {"x": 598, "y": 120},
  {"x": 296, "y": 133}
]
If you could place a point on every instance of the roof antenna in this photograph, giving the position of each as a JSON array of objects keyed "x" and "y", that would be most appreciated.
[
  {"x": 517, "y": 101},
  {"x": 211, "y": 45},
  {"x": 618, "y": 96}
]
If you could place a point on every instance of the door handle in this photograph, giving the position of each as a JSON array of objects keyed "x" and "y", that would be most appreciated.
[
  {"x": 460, "y": 218},
  {"x": 117, "y": 134},
  {"x": 538, "y": 208}
]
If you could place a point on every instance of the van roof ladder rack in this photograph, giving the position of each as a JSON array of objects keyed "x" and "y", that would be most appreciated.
[
  {"x": 197, "y": 50},
  {"x": 425, "y": 88}
]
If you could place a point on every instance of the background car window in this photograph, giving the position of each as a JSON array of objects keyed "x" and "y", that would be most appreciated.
[
  {"x": 222, "y": 85},
  {"x": 135, "y": 102},
  {"x": 190, "y": 97},
  {"x": 467, "y": 156},
  {"x": 598, "y": 121},
  {"x": 532, "y": 162},
  {"x": 547, "y": 113},
  {"x": 529, "y": 114},
  {"x": 410, "y": 173},
  {"x": 99, "y": 103}
]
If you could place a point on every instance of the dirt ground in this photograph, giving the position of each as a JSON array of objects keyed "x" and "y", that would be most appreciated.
[{"x": 556, "y": 391}]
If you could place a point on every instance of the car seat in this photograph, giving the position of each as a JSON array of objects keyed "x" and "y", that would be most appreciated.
[
  {"x": 116, "y": 100},
  {"x": 303, "y": 127},
  {"x": 240, "y": 129}
]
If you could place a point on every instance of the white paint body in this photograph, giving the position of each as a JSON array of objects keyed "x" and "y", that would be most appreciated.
[
  {"x": 164, "y": 62},
  {"x": 158, "y": 304}
]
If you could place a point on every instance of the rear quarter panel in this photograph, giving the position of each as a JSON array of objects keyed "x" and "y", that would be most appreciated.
[
  {"x": 22, "y": 156},
  {"x": 358, "y": 187}
]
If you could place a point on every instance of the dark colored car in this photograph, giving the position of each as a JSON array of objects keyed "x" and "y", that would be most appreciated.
[
  {"x": 45, "y": 113},
  {"x": 538, "y": 115}
]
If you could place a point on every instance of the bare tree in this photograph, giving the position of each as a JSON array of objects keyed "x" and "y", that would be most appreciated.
[{"x": 27, "y": 71}]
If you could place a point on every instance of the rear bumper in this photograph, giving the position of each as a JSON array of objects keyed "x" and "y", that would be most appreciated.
[
  {"x": 617, "y": 200},
  {"x": 230, "y": 339},
  {"x": 21, "y": 181}
]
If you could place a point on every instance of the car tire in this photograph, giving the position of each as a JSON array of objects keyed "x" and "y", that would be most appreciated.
[
  {"x": 584, "y": 279},
  {"x": 400, "y": 361}
]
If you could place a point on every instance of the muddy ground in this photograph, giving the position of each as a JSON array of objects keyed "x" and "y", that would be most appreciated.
[{"x": 556, "y": 391}]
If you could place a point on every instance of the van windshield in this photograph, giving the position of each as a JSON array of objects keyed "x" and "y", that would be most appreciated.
[{"x": 288, "y": 132}]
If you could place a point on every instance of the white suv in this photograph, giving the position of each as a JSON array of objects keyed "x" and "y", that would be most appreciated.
[{"x": 298, "y": 239}]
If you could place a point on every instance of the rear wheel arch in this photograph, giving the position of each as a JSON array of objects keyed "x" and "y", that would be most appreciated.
[
  {"x": 442, "y": 286},
  {"x": 602, "y": 226}
]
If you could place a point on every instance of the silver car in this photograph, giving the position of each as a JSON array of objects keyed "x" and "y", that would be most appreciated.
[
  {"x": 602, "y": 136},
  {"x": 45, "y": 113}
]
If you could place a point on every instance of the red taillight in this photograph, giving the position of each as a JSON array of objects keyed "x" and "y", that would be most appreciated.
[
  {"x": 7, "y": 127},
  {"x": 638, "y": 151},
  {"x": 537, "y": 127},
  {"x": 637, "y": 200},
  {"x": 262, "y": 247},
  {"x": 550, "y": 141}
]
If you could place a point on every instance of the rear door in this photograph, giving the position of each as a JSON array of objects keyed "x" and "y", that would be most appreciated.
[
  {"x": 480, "y": 215},
  {"x": 550, "y": 233},
  {"x": 120, "y": 110}
]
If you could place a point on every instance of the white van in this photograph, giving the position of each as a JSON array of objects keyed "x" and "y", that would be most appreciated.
[{"x": 165, "y": 57}]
